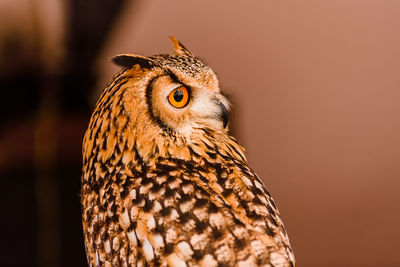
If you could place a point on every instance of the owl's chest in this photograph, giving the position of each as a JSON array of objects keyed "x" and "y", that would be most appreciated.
[{"x": 175, "y": 202}]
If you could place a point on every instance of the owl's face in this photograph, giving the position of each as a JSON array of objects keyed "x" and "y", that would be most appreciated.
[{"x": 176, "y": 93}]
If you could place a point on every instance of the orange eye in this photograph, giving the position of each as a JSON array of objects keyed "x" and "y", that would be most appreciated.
[{"x": 179, "y": 97}]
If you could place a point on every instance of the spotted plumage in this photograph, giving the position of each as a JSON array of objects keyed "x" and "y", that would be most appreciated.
[{"x": 164, "y": 184}]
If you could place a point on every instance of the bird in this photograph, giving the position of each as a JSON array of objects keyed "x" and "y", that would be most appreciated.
[{"x": 163, "y": 182}]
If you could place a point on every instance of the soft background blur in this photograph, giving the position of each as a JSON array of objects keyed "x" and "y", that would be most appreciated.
[{"x": 316, "y": 93}]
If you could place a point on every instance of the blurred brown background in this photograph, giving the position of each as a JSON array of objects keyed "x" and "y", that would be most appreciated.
[{"x": 316, "y": 93}]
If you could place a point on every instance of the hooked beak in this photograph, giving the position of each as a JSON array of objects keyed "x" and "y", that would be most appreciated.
[{"x": 223, "y": 114}]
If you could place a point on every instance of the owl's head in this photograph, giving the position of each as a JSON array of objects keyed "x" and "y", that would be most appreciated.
[
  {"x": 176, "y": 91},
  {"x": 162, "y": 106}
]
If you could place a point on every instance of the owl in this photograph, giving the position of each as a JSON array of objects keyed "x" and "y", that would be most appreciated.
[{"x": 163, "y": 183}]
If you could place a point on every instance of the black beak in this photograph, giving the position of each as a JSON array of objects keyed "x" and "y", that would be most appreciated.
[{"x": 223, "y": 114}]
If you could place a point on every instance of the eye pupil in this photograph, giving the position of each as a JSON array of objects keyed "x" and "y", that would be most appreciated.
[{"x": 178, "y": 95}]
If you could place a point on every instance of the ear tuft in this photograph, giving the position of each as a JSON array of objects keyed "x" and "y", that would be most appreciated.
[
  {"x": 129, "y": 60},
  {"x": 179, "y": 48}
]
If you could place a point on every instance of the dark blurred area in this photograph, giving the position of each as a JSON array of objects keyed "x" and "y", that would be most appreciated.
[
  {"x": 47, "y": 72},
  {"x": 315, "y": 87}
]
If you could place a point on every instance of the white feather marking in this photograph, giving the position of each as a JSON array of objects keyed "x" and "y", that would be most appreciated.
[
  {"x": 97, "y": 259},
  {"x": 151, "y": 223},
  {"x": 158, "y": 241},
  {"x": 200, "y": 213},
  {"x": 169, "y": 202},
  {"x": 223, "y": 253},
  {"x": 198, "y": 242},
  {"x": 208, "y": 261},
  {"x": 186, "y": 206},
  {"x": 277, "y": 259},
  {"x": 174, "y": 215},
  {"x": 217, "y": 220},
  {"x": 249, "y": 262},
  {"x": 107, "y": 246},
  {"x": 188, "y": 188},
  {"x": 247, "y": 181},
  {"x": 161, "y": 179},
  {"x": 124, "y": 219},
  {"x": 185, "y": 250},
  {"x": 174, "y": 260},
  {"x": 134, "y": 213},
  {"x": 156, "y": 206},
  {"x": 259, "y": 185},
  {"x": 132, "y": 194},
  {"x": 171, "y": 235},
  {"x": 115, "y": 243},
  {"x": 132, "y": 238},
  {"x": 239, "y": 232},
  {"x": 148, "y": 250},
  {"x": 257, "y": 248}
]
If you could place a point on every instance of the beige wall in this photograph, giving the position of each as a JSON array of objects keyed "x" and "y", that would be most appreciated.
[{"x": 316, "y": 89}]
